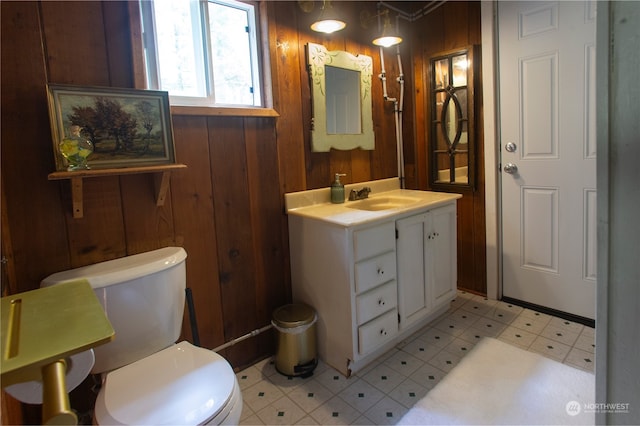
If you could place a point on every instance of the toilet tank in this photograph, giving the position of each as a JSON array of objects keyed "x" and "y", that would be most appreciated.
[{"x": 143, "y": 297}]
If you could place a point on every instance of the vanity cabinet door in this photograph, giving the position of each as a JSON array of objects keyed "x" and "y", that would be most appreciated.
[
  {"x": 413, "y": 268},
  {"x": 442, "y": 246},
  {"x": 426, "y": 262}
]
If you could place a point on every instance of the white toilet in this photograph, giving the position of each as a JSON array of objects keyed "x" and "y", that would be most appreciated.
[{"x": 147, "y": 378}]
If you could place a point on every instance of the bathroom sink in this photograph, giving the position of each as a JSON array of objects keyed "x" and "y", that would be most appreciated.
[{"x": 382, "y": 203}]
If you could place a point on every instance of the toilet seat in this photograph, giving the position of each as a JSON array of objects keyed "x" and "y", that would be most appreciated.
[{"x": 182, "y": 384}]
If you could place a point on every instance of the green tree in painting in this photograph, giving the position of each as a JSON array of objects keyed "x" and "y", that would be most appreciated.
[
  {"x": 106, "y": 120},
  {"x": 146, "y": 112},
  {"x": 117, "y": 123}
]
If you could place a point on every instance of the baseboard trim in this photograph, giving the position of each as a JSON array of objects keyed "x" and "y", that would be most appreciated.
[{"x": 560, "y": 314}]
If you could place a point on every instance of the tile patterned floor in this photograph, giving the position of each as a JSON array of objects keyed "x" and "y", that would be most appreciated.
[{"x": 385, "y": 390}]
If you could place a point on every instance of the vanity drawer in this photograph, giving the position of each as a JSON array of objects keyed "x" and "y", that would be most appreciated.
[
  {"x": 375, "y": 333},
  {"x": 372, "y": 241},
  {"x": 373, "y": 272},
  {"x": 376, "y": 302}
]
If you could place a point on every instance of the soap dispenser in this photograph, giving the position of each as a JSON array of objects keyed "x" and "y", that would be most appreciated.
[{"x": 337, "y": 189}]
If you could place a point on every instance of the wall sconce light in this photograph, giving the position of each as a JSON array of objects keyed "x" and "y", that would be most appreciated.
[
  {"x": 389, "y": 36},
  {"x": 328, "y": 22}
]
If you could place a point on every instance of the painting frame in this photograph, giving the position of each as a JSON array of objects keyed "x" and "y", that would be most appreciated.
[{"x": 127, "y": 127}]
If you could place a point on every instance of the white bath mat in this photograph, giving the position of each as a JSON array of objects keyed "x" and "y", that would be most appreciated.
[{"x": 497, "y": 383}]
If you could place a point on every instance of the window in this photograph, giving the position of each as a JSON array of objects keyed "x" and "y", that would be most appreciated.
[{"x": 203, "y": 52}]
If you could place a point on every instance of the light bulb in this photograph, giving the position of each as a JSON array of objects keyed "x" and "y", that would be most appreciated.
[
  {"x": 387, "y": 41},
  {"x": 388, "y": 37},
  {"x": 328, "y": 26}
]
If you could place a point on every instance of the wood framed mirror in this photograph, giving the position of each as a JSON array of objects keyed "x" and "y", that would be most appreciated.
[
  {"x": 341, "y": 115},
  {"x": 452, "y": 142}
]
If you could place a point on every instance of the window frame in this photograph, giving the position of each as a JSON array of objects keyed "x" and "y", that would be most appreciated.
[{"x": 260, "y": 59}]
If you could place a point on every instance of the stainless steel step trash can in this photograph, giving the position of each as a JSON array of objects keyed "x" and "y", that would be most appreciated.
[{"x": 295, "y": 326}]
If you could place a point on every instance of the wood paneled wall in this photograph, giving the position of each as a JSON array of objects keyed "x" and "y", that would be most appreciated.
[
  {"x": 226, "y": 208},
  {"x": 454, "y": 25},
  {"x": 303, "y": 169}
]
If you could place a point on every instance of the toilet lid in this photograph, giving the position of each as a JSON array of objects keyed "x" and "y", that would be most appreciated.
[{"x": 182, "y": 384}]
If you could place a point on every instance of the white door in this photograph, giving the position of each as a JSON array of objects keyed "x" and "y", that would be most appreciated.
[{"x": 548, "y": 153}]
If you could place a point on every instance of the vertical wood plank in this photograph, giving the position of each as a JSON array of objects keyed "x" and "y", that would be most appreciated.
[
  {"x": 235, "y": 241},
  {"x": 420, "y": 95},
  {"x": 11, "y": 413},
  {"x": 456, "y": 35},
  {"x": 340, "y": 162},
  {"x": 7, "y": 268},
  {"x": 286, "y": 64},
  {"x": 147, "y": 226},
  {"x": 360, "y": 165},
  {"x": 77, "y": 53},
  {"x": 117, "y": 28},
  {"x": 433, "y": 35},
  {"x": 33, "y": 206},
  {"x": 266, "y": 210},
  {"x": 195, "y": 228},
  {"x": 137, "y": 46},
  {"x": 76, "y": 50},
  {"x": 409, "y": 113},
  {"x": 100, "y": 234}
]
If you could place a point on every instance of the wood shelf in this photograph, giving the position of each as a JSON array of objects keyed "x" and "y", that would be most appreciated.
[{"x": 163, "y": 175}]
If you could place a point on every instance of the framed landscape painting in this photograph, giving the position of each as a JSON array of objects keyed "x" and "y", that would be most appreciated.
[{"x": 125, "y": 127}]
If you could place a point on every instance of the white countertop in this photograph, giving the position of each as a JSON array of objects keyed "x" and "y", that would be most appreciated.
[{"x": 315, "y": 204}]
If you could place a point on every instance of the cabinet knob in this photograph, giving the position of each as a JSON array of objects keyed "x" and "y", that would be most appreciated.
[
  {"x": 381, "y": 302},
  {"x": 383, "y": 332},
  {"x": 380, "y": 271}
]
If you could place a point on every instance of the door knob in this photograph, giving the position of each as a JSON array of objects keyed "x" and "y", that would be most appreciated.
[
  {"x": 510, "y": 168},
  {"x": 510, "y": 147}
]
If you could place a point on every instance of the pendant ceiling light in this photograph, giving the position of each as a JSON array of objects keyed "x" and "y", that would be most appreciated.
[
  {"x": 389, "y": 36},
  {"x": 328, "y": 22}
]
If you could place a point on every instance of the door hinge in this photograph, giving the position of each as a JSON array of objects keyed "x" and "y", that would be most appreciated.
[
  {"x": 398, "y": 317},
  {"x": 397, "y": 234}
]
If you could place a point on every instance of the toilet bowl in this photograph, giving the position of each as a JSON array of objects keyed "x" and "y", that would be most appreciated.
[
  {"x": 182, "y": 384},
  {"x": 147, "y": 378}
]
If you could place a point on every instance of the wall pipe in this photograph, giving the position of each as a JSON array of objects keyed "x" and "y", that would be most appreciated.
[
  {"x": 383, "y": 78},
  {"x": 397, "y": 108},
  {"x": 194, "y": 326},
  {"x": 192, "y": 317},
  {"x": 423, "y": 11},
  {"x": 398, "y": 113},
  {"x": 398, "y": 105},
  {"x": 241, "y": 338}
]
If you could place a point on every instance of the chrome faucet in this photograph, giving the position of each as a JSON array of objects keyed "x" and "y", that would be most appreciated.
[{"x": 359, "y": 195}]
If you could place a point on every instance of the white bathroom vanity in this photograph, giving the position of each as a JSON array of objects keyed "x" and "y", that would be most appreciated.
[{"x": 375, "y": 270}]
